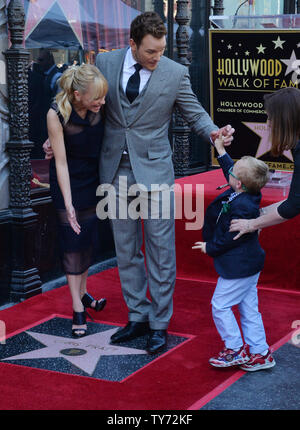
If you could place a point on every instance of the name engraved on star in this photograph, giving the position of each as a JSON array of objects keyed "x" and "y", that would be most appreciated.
[
  {"x": 101, "y": 348},
  {"x": 75, "y": 344},
  {"x": 64, "y": 342}
]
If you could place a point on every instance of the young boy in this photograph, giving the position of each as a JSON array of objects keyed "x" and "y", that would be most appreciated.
[{"x": 238, "y": 263}]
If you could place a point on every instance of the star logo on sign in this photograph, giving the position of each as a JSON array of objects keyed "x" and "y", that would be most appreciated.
[
  {"x": 83, "y": 353},
  {"x": 263, "y": 131},
  {"x": 290, "y": 63},
  {"x": 261, "y": 49},
  {"x": 293, "y": 66},
  {"x": 278, "y": 43}
]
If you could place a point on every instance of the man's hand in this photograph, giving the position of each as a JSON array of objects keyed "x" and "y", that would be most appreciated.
[
  {"x": 227, "y": 133},
  {"x": 200, "y": 245},
  {"x": 48, "y": 150}
]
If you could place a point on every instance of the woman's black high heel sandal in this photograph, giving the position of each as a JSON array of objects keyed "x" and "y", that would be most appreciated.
[
  {"x": 87, "y": 301},
  {"x": 79, "y": 318}
]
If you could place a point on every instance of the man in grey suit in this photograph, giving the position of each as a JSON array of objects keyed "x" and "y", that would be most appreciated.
[{"x": 136, "y": 150}]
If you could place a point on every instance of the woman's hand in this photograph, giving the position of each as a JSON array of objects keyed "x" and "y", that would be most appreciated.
[
  {"x": 243, "y": 226},
  {"x": 71, "y": 215},
  {"x": 200, "y": 245},
  {"x": 48, "y": 150}
]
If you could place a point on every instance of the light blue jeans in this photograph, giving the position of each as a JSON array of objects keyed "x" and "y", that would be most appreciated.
[{"x": 241, "y": 292}]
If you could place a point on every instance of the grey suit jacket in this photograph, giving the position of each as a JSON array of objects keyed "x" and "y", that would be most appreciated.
[{"x": 146, "y": 134}]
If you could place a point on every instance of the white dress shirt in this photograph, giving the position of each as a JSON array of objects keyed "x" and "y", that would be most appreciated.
[{"x": 129, "y": 69}]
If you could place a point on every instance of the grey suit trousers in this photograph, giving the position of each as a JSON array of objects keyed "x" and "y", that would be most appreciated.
[{"x": 157, "y": 226}]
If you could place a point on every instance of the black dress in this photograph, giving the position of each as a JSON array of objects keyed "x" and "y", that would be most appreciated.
[{"x": 82, "y": 138}]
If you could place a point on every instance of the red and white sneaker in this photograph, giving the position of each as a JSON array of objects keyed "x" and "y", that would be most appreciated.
[
  {"x": 229, "y": 357},
  {"x": 259, "y": 362}
]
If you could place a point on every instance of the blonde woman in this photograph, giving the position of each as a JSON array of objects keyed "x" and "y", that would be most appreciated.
[{"x": 75, "y": 127}]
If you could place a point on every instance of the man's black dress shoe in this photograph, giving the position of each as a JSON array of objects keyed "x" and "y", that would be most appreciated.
[
  {"x": 157, "y": 341},
  {"x": 131, "y": 331}
]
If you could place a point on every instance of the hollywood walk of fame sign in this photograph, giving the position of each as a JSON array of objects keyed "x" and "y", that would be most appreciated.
[{"x": 244, "y": 66}]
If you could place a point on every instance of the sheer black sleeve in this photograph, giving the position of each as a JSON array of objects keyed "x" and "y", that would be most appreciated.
[{"x": 291, "y": 206}]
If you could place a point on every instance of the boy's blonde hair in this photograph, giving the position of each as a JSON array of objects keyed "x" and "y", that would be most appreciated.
[
  {"x": 78, "y": 78},
  {"x": 253, "y": 173}
]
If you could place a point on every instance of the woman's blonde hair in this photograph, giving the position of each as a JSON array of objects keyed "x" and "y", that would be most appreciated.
[{"x": 78, "y": 78}]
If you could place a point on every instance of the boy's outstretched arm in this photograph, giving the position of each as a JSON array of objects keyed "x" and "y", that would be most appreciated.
[
  {"x": 219, "y": 145},
  {"x": 200, "y": 245}
]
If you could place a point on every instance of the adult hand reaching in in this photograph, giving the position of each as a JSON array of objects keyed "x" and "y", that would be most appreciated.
[{"x": 243, "y": 226}]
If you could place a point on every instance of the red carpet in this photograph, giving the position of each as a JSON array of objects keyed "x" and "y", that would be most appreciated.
[{"x": 178, "y": 380}]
